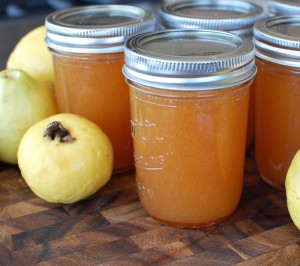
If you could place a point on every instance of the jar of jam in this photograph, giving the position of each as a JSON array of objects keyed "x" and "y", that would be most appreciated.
[
  {"x": 284, "y": 7},
  {"x": 87, "y": 46},
  {"x": 189, "y": 95},
  {"x": 235, "y": 16},
  {"x": 277, "y": 41}
]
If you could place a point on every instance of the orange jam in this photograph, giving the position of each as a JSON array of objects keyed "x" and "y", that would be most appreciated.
[
  {"x": 251, "y": 118},
  {"x": 93, "y": 86},
  {"x": 189, "y": 97},
  {"x": 189, "y": 152},
  {"x": 277, "y": 94},
  {"x": 235, "y": 16},
  {"x": 87, "y": 44},
  {"x": 277, "y": 120}
]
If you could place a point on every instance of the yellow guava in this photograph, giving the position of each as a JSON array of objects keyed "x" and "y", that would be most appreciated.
[
  {"x": 23, "y": 102},
  {"x": 65, "y": 158},
  {"x": 32, "y": 55},
  {"x": 292, "y": 188}
]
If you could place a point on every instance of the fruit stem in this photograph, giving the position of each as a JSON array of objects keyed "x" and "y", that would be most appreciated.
[{"x": 55, "y": 130}]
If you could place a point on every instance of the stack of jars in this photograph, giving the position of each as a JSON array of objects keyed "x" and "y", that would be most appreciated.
[{"x": 177, "y": 97}]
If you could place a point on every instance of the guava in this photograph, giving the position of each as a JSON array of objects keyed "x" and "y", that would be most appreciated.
[
  {"x": 292, "y": 188},
  {"x": 32, "y": 55},
  {"x": 65, "y": 158},
  {"x": 23, "y": 102}
]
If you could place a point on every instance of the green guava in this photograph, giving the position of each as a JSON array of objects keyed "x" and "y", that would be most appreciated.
[
  {"x": 65, "y": 158},
  {"x": 32, "y": 55},
  {"x": 292, "y": 188},
  {"x": 23, "y": 102}
]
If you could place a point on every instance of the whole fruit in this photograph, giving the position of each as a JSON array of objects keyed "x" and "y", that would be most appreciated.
[
  {"x": 292, "y": 187},
  {"x": 65, "y": 158},
  {"x": 23, "y": 102},
  {"x": 32, "y": 55}
]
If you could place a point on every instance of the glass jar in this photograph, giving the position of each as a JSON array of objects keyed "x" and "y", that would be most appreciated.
[
  {"x": 284, "y": 7},
  {"x": 277, "y": 41},
  {"x": 87, "y": 47},
  {"x": 235, "y": 16},
  {"x": 189, "y": 95}
]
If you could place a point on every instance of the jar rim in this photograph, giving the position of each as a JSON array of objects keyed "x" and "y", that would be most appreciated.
[
  {"x": 96, "y": 28},
  {"x": 277, "y": 39},
  {"x": 217, "y": 15},
  {"x": 284, "y": 7},
  {"x": 190, "y": 59}
]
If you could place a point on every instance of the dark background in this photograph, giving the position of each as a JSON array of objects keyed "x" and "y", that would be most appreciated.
[
  {"x": 11, "y": 9},
  {"x": 17, "y": 17}
]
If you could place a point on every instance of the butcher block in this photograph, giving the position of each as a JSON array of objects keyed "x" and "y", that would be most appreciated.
[{"x": 112, "y": 228}]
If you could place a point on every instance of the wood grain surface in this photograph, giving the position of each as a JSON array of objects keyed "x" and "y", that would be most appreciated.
[{"x": 111, "y": 228}]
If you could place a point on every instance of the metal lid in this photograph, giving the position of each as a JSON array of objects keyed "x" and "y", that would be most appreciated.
[
  {"x": 96, "y": 29},
  {"x": 189, "y": 59},
  {"x": 284, "y": 7},
  {"x": 228, "y": 15},
  {"x": 277, "y": 39}
]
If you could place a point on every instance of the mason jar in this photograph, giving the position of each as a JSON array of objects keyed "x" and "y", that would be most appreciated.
[
  {"x": 87, "y": 47},
  {"x": 235, "y": 16},
  {"x": 189, "y": 96},
  {"x": 277, "y": 41}
]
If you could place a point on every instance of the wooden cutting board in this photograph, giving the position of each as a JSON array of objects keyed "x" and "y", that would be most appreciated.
[{"x": 111, "y": 228}]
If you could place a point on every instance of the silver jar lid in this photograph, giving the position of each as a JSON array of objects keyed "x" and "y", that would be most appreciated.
[
  {"x": 277, "y": 39},
  {"x": 189, "y": 59},
  {"x": 229, "y": 15},
  {"x": 96, "y": 29},
  {"x": 284, "y": 7}
]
